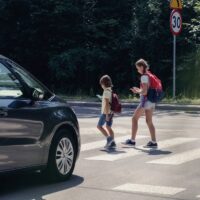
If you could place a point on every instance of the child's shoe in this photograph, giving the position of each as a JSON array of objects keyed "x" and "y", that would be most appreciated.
[
  {"x": 112, "y": 145},
  {"x": 109, "y": 141}
]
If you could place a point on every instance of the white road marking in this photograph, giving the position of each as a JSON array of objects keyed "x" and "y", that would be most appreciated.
[
  {"x": 175, "y": 141},
  {"x": 125, "y": 130},
  {"x": 150, "y": 189},
  {"x": 179, "y": 158},
  {"x": 130, "y": 152},
  {"x": 94, "y": 131},
  {"x": 99, "y": 144},
  {"x": 198, "y": 196}
]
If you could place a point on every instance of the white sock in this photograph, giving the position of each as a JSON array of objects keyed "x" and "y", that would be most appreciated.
[{"x": 154, "y": 142}]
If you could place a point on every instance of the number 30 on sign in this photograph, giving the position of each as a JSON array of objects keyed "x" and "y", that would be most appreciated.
[{"x": 175, "y": 22}]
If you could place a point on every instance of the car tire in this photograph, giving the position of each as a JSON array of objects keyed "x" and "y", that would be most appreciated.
[{"x": 62, "y": 157}]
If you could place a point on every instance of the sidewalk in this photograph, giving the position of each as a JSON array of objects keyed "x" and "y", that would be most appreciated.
[{"x": 160, "y": 106}]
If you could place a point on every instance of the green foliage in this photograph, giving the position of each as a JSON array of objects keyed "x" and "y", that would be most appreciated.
[
  {"x": 70, "y": 44},
  {"x": 188, "y": 76}
]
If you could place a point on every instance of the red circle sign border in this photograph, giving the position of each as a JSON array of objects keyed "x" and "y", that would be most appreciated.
[{"x": 173, "y": 11}]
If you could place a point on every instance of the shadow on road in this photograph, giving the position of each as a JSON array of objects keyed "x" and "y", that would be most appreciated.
[
  {"x": 29, "y": 186},
  {"x": 154, "y": 152},
  {"x": 147, "y": 151},
  {"x": 113, "y": 151}
]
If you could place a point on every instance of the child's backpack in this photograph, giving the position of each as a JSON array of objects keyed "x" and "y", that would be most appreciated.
[
  {"x": 115, "y": 104},
  {"x": 155, "y": 92}
]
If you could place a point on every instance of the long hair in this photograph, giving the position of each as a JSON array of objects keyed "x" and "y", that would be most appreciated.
[{"x": 144, "y": 64}]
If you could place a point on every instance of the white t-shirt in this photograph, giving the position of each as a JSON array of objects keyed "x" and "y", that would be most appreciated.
[
  {"x": 107, "y": 94},
  {"x": 145, "y": 79}
]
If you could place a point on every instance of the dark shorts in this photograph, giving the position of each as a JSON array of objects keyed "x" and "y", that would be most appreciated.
[{"x": 102, "y": 120}]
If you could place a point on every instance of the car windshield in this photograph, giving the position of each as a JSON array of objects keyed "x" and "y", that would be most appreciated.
[{"x": 9, "y": 85}]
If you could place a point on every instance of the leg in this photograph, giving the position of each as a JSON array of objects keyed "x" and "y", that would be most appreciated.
[
  {"x": 103, "y": 131},
  {"x": 100, "y": 124},
  {"x": 149, "y": 114},
  {"x": 109, "y": 126},
  {"x": 137, "y": 114},
  {"x": 110, "y": 131}
]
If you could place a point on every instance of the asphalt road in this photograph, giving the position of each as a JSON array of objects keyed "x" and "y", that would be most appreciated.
[{"x": 169, "y": 172}]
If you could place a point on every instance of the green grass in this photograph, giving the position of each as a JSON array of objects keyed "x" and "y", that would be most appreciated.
[
  {"x": 130, "y": 99},
  {"x": 183, "y": 100},
  {"x": 78, "y": 97}
]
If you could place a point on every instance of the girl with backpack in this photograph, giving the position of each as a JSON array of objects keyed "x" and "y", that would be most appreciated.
[{"x": 145, "y": 106}]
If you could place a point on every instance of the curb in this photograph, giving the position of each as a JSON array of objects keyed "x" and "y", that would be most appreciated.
[{"x": 172, "y": 107}]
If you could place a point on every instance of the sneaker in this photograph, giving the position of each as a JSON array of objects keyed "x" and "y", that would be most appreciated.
[
  {"x": 129, "y": 142},
  {"x": 112, "y": 145},
  {"x": 151, "y": 144},
  {"x": 109, "y": 141}
]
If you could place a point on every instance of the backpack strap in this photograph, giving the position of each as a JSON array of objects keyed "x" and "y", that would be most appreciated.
[{"x": 153, "y": 79}]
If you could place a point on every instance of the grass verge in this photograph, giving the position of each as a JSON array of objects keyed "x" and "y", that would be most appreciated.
[{"x": 129, "y": 99}]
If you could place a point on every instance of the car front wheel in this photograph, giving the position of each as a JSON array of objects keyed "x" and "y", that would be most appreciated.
[{"x": 62, "y": 156}]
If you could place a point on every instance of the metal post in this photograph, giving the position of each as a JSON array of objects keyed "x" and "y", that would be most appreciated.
[{"x": 174, "y": 68}]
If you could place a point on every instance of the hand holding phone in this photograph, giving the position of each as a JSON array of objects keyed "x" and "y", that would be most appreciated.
[{"x": 135, "y": 89}]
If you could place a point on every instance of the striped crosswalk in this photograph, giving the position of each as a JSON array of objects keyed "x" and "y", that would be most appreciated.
[
  {"x": 99, "y": 144},
  {"x": 171, "y": 152},
  {"x": 130, "y": 152},
  {"x": 134, "y": 172}
]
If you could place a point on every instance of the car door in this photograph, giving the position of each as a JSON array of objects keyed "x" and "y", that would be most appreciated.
[{"x": 21, "y": 122}]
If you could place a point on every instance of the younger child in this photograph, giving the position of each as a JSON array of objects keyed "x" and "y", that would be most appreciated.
[{"x": 106, "y": 114}]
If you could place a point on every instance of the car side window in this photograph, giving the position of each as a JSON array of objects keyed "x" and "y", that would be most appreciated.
[
  {"x": 30, "y": 81},
  {"x": 9, "y": 85}
]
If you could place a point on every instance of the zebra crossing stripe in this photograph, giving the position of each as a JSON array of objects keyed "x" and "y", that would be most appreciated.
[
  {"x": 198, "y": 196},
  {"x": 116, "y": 155},
  {"x": 99, "y": 144},
  {"x": 119, "y": 130},
  {"x": 130, "y": 152},
  {"x": 92, "y": 131},
  {"x": 150, "y": 189},
  {"x": 179, "y": 158},
  {"x": 175, "y": 141}
]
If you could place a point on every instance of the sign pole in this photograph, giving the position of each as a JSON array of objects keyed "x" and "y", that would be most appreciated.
[
  {"x": 176, "y": 27},
  {"x": 174, "y": 68}
]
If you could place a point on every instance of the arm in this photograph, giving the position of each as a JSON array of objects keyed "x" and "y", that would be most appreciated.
[
  {"x": 107, "y": 106},
  {"x": 144, "y": 86},
  {"x": 142, "y": 90}
]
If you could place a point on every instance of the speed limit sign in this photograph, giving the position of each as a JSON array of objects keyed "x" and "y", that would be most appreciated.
[{"x": 175, "y": 22}]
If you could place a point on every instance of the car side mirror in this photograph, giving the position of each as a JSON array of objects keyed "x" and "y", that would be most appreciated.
[{"x": 37, "y": 94}]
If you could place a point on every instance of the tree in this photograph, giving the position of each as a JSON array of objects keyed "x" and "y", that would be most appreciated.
[{"x": 70, "y": 44}]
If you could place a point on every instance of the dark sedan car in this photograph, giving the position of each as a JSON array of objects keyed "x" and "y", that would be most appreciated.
[{"x": 38, "y": 130}]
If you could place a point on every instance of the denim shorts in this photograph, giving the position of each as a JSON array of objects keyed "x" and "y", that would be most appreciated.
[{"x": 102, "y": 120}]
